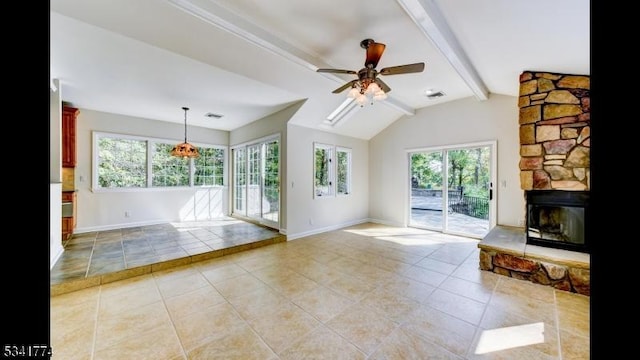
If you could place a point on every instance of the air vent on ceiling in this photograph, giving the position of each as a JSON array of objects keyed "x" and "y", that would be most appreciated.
[
  {"x": 213, "y": 116},
  {"x": 434, "y": 94}
]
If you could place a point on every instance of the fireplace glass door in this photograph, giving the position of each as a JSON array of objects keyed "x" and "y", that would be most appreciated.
[{"x": 557, "y": 219}]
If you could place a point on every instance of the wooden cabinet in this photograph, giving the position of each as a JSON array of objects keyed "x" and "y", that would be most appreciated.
[
  {"x": 69, "y": 115},
  {"x": 68, "y": 222}
]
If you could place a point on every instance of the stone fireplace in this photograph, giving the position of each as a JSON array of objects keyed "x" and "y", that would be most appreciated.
[
  {"x": 555, "y": 142},
  {"x": 555, "y": 146}
]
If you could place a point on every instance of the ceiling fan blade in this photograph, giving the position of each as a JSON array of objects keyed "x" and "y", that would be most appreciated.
[
  {"x": 383, "y": 86},
  {"x": 345, "y": 86},
  {"x": 337, "y": 71},
  {"x": 374, "y": 53},
  {"x": 402, "y": 69}
]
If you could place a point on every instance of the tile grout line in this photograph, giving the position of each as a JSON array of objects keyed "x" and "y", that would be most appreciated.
[
  {"x": 557, "y": 318},
  {"x": 95, "y": 328},
  {"x": 93, "y": 247},
  {"x": 173, "y": 324}
]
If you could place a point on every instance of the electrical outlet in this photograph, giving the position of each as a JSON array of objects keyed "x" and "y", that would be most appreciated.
[
  {"x": 521, "y": 222},
  {"x": 127, "y": 214}
]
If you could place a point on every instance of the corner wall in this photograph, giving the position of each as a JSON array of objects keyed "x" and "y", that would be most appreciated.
[
  {"x": 106, "y": 210},
  {"x": 462, "y": 121},
  {"x": 55, "y": 175},
  {"x": 270, "y": 125},
  {"x": 307, "y": 215},
  {"x": 55, "y": 134}
]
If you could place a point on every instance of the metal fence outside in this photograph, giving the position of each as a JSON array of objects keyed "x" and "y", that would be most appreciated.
[{"x": 473, "y": 206}]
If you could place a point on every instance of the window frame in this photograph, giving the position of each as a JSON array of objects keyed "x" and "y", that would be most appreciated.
[
  {"x": 332, "y": 170},
  {"x": 329, "y": 169},
  {"x": 349, "y": 154},
  {"x": 150, "y": 142}
]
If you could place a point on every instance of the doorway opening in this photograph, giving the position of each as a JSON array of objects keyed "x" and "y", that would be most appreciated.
[
  {"x": 256, "y": 181},
  {"x": 451, "y": 189}
]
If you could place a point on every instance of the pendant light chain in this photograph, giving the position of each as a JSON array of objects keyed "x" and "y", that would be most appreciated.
[
  {"x": 185, "y": 150},
  {"x": 185, "y": 123}
]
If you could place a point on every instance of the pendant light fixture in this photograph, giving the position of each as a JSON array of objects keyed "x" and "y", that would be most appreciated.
[{"x": 185, "y": 150}]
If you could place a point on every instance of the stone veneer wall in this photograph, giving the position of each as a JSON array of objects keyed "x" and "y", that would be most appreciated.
[
  {"x": 562, "y": 277},
  {"x": 554, "y": 131},
  {"x": 554, "y": 155}
]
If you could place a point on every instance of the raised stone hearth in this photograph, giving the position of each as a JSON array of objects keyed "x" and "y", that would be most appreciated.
[{"x": 504, "y": 251}]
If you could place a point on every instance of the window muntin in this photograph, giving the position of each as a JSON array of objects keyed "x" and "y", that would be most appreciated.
[
  {"x": 332, "y": 170},
  {"x": 240, "y": 180},
  {"x": 343, "y": 171},
  {"x": 121, "y": 163},
  {"x": 256, "y": 180},
  {"x": 168, "y": 170},
  {"x": 133, "y": 162},
  {"x": 323, "y": 176},
  {"x": 209, "y": 167}
]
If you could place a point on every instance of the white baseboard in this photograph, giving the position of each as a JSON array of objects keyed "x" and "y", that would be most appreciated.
[
  {"x": 54, "y": 258},
  {"x": 325, "y": 229},
  {"x": 386, "y": 222},
  {"x": 120, "y": 226}
]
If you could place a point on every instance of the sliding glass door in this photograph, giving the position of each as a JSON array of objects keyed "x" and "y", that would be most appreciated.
[
  {"x": 451, "y": 189},
  {"x": 256, "y": 181}
]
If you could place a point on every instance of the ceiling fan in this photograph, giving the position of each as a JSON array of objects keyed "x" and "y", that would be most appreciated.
[{"x": 367, "y": 81}]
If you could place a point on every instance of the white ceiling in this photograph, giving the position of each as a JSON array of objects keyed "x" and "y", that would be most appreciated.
[{"x": 247, "y": 59}]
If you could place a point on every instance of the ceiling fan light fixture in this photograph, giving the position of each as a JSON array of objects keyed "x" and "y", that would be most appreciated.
[
  {"x": 373, "y": 88},
  {"x": 368, "y": 87},
  {"x": 185, "y": 150},
  {"x": 368, "y": 92},
  {"x": 379, "y": 95},
  {"x": 361, "y": 99},
  {"x": 353, "y": 93}
]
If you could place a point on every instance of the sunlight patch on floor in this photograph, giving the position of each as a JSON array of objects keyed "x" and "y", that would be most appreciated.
[
  {"x": 405, "y": 240},
  {"x": 510, "y": 337}
]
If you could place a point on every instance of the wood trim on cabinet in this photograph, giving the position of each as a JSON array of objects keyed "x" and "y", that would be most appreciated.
[
  {"x": 69, "y": 116},
  {"x": 69, "y": 223}
]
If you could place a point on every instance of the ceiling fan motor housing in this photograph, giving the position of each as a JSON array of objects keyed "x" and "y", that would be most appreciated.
[
  {"x": 365, "y": 43},
  {"x": 367, "y": 76}
]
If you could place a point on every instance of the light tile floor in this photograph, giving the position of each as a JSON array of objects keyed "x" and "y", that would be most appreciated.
[{"x": 365, "y": 292}]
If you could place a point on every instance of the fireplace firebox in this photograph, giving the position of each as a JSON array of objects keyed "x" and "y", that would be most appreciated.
[{"x": 557, "y": 219}]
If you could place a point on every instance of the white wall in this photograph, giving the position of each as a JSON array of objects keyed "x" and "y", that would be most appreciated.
[
  {"x": 55, "y": 133},
  {"x": 377, "y": 164},
  {"x": 55, "y": 223},
  {"x": 55, "y": 175},
  {"x": 271, "y": 125},
  {"x": 463, "y": 121},
  {"x": 106, "y": 210},
  {"x": 308, "y": 215}
]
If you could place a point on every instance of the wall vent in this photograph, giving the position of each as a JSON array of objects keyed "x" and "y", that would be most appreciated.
[
  {"x": 213, "y": 116},
  {"x": 435, "y": 95}
]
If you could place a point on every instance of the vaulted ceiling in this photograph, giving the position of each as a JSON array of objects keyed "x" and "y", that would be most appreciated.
[{"x": 246, "y": 59}]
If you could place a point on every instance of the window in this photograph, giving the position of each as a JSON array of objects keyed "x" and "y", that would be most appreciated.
[
  {"x": 128, "y": 162},
  {"x": 122, "y": 163},
  {"x": 343, "y": 182},
  {"x": 323, "y": 170},
  {"x": 256, "y": 180},
  {"x": 209, "y": 167},
  {"x": 332, "y": 174},
  {"x": 168, "y": 170}
]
